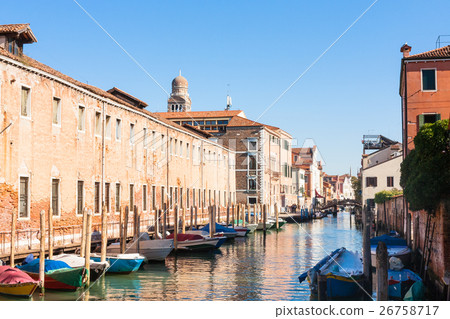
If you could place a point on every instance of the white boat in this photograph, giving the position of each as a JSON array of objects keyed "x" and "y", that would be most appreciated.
[
  {"x": 241, "y": 231},
  {"x": 250, "y": 227},
  {"x": 404, "y": 253},
  {"x": 261, "y": 225},
  {"x": 152, "y": 249},
  {"x": 96, "y": 269},
  {"x": 196, "y": 242}
]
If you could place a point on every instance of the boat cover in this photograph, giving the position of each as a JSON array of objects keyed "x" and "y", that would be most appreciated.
[
  {"x": 33, "y": 266},
  {"x": 416, "y": 292},
  {"x": 9, "y": 275},
  {"x": 319, "y": 265},
  {"x": 184, "y": 237},
  {"x": 219, "y": 229},
  {"x": 388, "y": 240}
]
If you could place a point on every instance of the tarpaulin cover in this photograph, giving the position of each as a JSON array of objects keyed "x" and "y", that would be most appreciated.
[
  {"x": 33, "y": 266},
  {"x": 183, "y": 237},
  {"x": 10, "y": 275},
  {"x": 388, "y": 240},
  {"x": 219, "y": 229}
]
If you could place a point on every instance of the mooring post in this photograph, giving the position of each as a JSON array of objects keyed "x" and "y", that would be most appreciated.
[
  {"x": 233, "y": 217},
  {"x": 13, "y": 238},
  {"x": 121, "y": 227},
  {"x": 228, "y": 215},
  {"x": 175, "y": 229},
  {"x": 210, "y": 210},
  {"x": 264, "y": 217},
  {"x": 42, "y": 252},
  {"x": 50, "y": 233},
  {"x": 196, "y": 215},
  {"x": 125, "y": 229},
  {"x": 164, "y": 220},
  {"x": 155, "y": 223},
  {"x": 366, "y": 251},
  {"x": 104, "y": 237},
  {"x": 322, "y": 287},
  {"x": 408, "y": 229},
  {"x": 183, "y": 220},
  {"x": 87, "y": 257},
  {"x": 276, "y": 217},
  {"x": 83, "y": 234},
  {"x": 382, "y": 272},
  {"x": 254, "y": 214},
  {"x": 214, "y": 217},
  {"x": 137, "y": 215},
  {"x": 191, "y": 222}
]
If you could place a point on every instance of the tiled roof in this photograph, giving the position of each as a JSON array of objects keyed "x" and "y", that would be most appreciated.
[
  {"x": 238, "y": 121},
  {"x": 131, "y": 97},
  {"x": 201, "y": 114},
  {"x": 27, "y": 61},
  {"x": 23, "y": 28},
  {"x": 440, "y": 53}
]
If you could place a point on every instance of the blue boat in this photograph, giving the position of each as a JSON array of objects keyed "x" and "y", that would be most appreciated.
[
  {"x": 227, "y": 232},
  {"x": 121, "y": 263},
  {"x": 400, "y": 281},
  {"x": 396, "y": 247},
  {"x": 343, "y": 271}
]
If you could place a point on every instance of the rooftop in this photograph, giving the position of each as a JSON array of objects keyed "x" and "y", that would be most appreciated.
[{"x": 439, "y": 53}]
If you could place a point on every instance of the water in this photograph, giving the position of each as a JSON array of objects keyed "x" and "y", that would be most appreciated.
[{"x": 251, "y": 268}]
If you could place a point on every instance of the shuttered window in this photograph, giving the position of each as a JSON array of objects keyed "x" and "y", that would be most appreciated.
[
  {"x": 23, "y": 209},
  {"x": 107, "y": 196},
  {"x": 390, "y": 181},
  {"x": 80, "y": 199},
  {"x": 428, "y": 119},
  {"x": 55, "y": 197},
  {"x": 118, "y": 197},
  {"x": 371, "y": 181},
  {"x": 429, "y": 80},
  {"x": 154, "y": 197},
  {"x": 144, "y": 197}
]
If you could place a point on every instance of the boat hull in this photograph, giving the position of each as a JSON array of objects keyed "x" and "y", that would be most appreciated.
[
  {"x": 261, "y": 225},
  {"x": 403, "y": 253},
  {"x": 199, "y": 244},
  {"x": 153, "y": 250},
  {"x": 24, "y": 290},
  {"x": 343, "y": 287},
  {"x": 121, "y": 265},
  {"x": 63, "y": 279}
]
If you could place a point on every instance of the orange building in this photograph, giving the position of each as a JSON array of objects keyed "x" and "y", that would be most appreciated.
[{"x": 425, "y": 90}]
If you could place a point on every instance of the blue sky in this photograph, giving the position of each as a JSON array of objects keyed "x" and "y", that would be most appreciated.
[{"x": 252, "y": 49}]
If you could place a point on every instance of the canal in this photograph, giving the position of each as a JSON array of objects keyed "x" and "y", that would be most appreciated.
[{"x": 252, "y": 268}]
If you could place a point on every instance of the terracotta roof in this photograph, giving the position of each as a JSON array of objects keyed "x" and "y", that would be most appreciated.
[
  {"x": 129, "y": 96},
  {"x": 440, "y": 53},
  {"x": 197, "y": 130},
  {"x": 26, "y": 60},
  {"x": 201, "y": 114},
  {"x": 19, "y": 28},
  {"x": 238, "y": 121}
]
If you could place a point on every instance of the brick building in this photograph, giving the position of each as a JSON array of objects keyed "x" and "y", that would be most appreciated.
[{"x": 71, "y": 145}]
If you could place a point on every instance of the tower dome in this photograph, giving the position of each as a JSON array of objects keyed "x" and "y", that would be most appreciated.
[
  {"x": 179, "y": 81},
  {"x": 179, "y": 100}
]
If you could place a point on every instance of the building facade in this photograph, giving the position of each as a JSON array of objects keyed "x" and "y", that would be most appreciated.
[{"x": 69, "y": 146}]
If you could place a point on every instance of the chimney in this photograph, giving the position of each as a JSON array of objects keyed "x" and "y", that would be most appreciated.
[{"x": 405, "y": 49}]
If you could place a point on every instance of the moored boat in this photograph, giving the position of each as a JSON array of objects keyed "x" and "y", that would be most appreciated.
[
  {"x": 396, "y": 247},
  {"x": 261, "y": 225},
  {"x": 281, "y": 222},
  {"x": 96, "y": 269},
  {"x": 14, "y": 282},
  {"x": 195, "y": 242},
  {"x": 58, "y": 274},
  {"x": 152, "y": 249},
  {"x": 343, "y": 272},
  {"x": 121, "y": 263},
  {"x": 400, "y": 281},
  {"x": 227, "y": 232}
]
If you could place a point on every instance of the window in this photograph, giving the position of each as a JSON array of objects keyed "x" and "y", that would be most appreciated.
[
  {"x": 163, "y": 145},
  {"x": 222, "y": 122},
  {"x": 118, "y": 129},
  {"x": 428, "y": 79},
  {"x": 98, "y": 123},
  {"x": 170, "y": 197},
  {"x": 56, "y": 111},
  {"x": 97, "y": 198},
  {"x": 144, "y": 198},
  {"x": 193, "y": 197},
  {"x": 428, "y": 118},
  {"x": 108, "y": 126},
  {"x": 131, "y": 133},
  {"x": 163, "y": 195},
  {"x": 131, "y": 198},
  {"x": 210, "y": 122},
  {"x": 181, "y": 148},
  {"x": 187, "y": 150},
  {"x": 176, "y": 147},
  {"x": 117, "y": 197},
  {"x": 153, "y": 140},
  {"x": 55, "y": 197},
  {"x": 107, "y": 196},
  {"x": 187, "y": 122},
  {"x": 251, "y": 161},
  {"x": 175, "y": 194},
  {"x": 197, "y": 123},
  {"x": 23, "y": 197},
  {"x": 181, "y": 198},
  {"x": 204, "y": 197},
  {"x": 187, "y": 198},
  {"x": 371, "y": 181},
  {"x": 81, "y": 111},
  {"x": 170, "y": 146},
  {"x": 80, "y": 197},
  {"x": 25, "y": 102},
  {"x": 390, "y": 181},
  {"x": 154, "y": 197},
  {"x": 252, "y": 145},
  {"x": 252, "y": 183},
  {"x": 251, "y": 200}
]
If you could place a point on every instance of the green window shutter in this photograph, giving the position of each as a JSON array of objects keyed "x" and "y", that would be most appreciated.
[
  {"x": 421, "y": 120},
  {"x": 438, "y": 117}
]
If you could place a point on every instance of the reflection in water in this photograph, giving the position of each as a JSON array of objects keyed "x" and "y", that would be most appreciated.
[{"x": 253, "y": 268}]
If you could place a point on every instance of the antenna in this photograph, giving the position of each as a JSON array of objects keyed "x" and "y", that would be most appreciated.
[{"x": 228, "y": 98}]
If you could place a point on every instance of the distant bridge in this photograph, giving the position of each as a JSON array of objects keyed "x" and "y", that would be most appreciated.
[{"x": 343, "y": 202}]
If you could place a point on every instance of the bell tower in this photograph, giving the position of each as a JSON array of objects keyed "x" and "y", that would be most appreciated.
[{"x": 179, "y": 100}]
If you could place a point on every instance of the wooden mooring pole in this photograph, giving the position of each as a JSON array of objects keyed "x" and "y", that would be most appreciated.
[
  {"x": 191, "y": 224},
  {"x": 42, "y": 252},
  {"x": 196, "y": 217},
  {"x": 88, "y": 243},
  {"x": 104, "y": 237},
  {"x": 277, "y": 225},
  {"x": 175, "y": 229},
  {"x": 125, "y": 230},
  {"x": 13, "y": 238},
  {"x": 211, "y": 232},
  {"x": 367, "y": 268},
  {"x": 83, "y": 234},
  {"x": 121, "y": 213},
  {"x": 233, "y": 217},
  {"x": 228, "y": 215},
  {"x": 183, "y": 220},
  {"x": 382, "y": 272},
  {"x": 264, "y": 218},
  {"x": 164, "y": 221},
  {"x": 321, "y": 287},
  {"x": 50, "y": 233}
]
